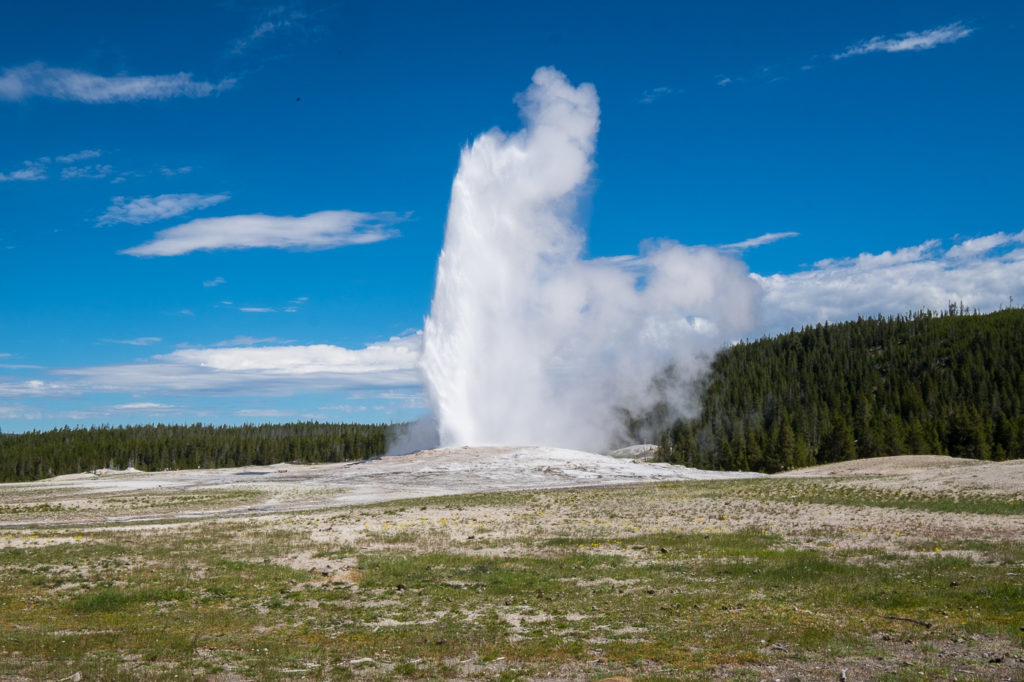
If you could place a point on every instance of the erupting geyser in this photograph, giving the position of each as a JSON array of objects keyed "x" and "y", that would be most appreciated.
[{"x": 528, "y": 342}]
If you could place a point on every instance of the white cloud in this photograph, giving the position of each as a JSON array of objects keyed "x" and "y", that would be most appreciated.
[
  {"x": 248, "y": 371},
  {"x": 724, "y": 81},
  {"x": 38, "y": 80},
  {"x": 33, "y": 170},
  {"x": 258, "y": 310},
  {"x": 248, "y": 341},
  {"x": 141, "y": 341},
  {"x": 215, "y": 282},
  {"x": 150, "y": 209},
  {"x": 322, "y": 230},
  {"x": 170, "y": 172},
  {"x": 143, "y": 406},
  {"x": 277, "y": 19},
  {"x": 19, "y": 412},
  {"x": 79, "y": 156},
  {"x": 94, "y": 171},
  {"x": 973, "y": 247},
  {"x": 982, "y": 273},
  {"x": 263, "y": 413},
  {"x": 754, "y": 242},
  {"x": 909, "y": 41},
  {"x": 33, "y": 388},
  {"x": 654, "y": 94}
]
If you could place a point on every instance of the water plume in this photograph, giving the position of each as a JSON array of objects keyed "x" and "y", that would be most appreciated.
[{"x": 530, "y": 343}]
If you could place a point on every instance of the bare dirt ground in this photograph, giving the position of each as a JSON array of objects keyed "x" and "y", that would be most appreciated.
[
  {"x": 267, "y": 492},
  {"x": 926, "y": 473},
  {"x": 290, "y": 487}
]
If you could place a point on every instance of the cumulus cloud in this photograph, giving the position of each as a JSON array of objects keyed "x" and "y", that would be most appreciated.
[
  {"x": 983, "y": 273},
  {"x": 321, "y": 230},
  {"x": 39, "y": 80},
  {"x": 244, "y": 371},
  {"x": 33, "y": 170},
  {"x": 909, "y": 41},
  {"x": 754, "y": 242},
  {"x": 150, "y": 209}
]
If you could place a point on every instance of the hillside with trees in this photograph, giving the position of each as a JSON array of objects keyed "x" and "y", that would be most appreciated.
[
  {"x": 949, "y": 383},
  {"x": 34, "y": 455}
]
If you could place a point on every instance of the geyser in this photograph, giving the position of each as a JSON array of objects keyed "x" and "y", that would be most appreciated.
[{"x": 530, "y": 343}]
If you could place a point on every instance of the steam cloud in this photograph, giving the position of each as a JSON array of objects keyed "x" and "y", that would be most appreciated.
[{"x": 528, "y": 342}]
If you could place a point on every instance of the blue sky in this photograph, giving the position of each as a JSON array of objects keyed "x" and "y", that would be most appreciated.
[{"x": 232, "y": 212}]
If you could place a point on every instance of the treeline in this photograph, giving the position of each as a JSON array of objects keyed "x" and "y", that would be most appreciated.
[
  {"x": 34, "y": 455},
  {"x": 927, "y": 383}
]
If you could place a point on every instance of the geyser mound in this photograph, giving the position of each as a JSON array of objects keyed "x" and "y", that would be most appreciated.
[{"x": 530, "y": 343}]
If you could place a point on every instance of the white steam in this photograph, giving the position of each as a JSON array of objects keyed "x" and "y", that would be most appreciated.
[{"x": 529, "y": 343}]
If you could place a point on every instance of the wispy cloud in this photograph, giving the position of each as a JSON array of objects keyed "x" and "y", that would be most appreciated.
[
  {"x": 278, "y": 19},
  {"x": 170, "y": 172},
  {"x": 654, "y": 94},
  {"x": 264, "y": 412},
  {"x": 909, "y": 41},
  {"x": 322, "y": 230},
  {"x": 94, "y": 171},
  {"x": 249, "y": 371},
  {"x": 148, "y": 407},
  {"x": 141, "y": 341},
  {"x": 33, "y": 170},
  {"x": 754, "y": 242},
  {"x": 249, "y": 341},
  {"x": 983, "y": 273},
  {"x": 722, "y": 82},
  {"x": 150, "y": 209},
  {"x": 215, "y": 282},
  {"x": 79, "y": 156},
  {"x": 39, "y": 80},
  {"x": 258, "y": 310}
]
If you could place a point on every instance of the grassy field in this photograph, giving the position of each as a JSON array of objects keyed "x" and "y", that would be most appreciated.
[{"x": 748, "y": 580}]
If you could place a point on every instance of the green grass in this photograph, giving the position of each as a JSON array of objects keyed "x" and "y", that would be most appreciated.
[
  {"x": 797, "y": 491},
  {"x": 221, "y": 598}
]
